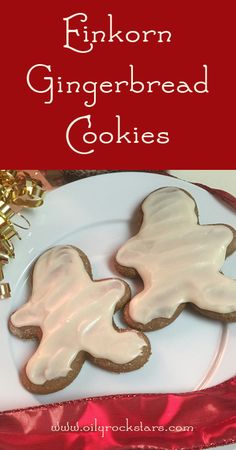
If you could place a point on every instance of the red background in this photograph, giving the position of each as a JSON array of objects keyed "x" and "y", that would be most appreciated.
[{"x": 200, "y": 127}]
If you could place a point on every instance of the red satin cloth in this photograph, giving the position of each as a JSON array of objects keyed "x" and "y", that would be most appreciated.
[
  {"x": 211, "y": 413},
  {"x": 221, "y": 195},
  {"x": 193, "y": 420}
]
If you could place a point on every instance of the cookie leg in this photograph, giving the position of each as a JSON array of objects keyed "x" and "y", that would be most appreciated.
[
  {"x": 132, "y": 350},
  {"x": 151, "y": 310},
  {"x": 218, "y": 300}
]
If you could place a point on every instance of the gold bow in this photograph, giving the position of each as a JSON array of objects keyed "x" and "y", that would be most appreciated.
[{"x": 16, "y": 188}]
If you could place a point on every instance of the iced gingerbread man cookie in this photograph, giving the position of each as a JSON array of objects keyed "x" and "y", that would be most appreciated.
[
  {"x": 179, "y": 261},
  {"x": 72, "y": 317}
]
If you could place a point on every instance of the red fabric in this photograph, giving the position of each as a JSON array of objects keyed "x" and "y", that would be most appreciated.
[
  {"x": 210, "y": 414},
  {"x": 221, "y": 195}
]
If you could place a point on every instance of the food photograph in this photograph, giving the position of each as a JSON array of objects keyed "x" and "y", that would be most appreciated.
[{"x": 118, "y": 308}]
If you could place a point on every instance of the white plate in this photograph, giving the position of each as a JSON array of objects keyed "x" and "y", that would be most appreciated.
[{"x": 95, "y": 214}]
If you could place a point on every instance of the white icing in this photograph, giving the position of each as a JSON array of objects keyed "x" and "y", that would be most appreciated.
[
  {"x": 178, "y": 259},
  {"x": 74, "y": 313}
]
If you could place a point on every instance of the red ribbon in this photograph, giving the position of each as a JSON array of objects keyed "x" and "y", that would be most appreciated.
[
  {"x": 227, "y": 198},
  {"x": 193, "y": 420}
]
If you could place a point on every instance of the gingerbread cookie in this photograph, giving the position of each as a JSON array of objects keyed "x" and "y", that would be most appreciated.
[
  {"x": 72, "y": 317},
  {"x": 179, "y": 261}
]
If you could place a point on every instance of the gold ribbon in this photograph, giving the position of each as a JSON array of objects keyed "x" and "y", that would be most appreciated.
[{"x": 16, "y": 188}]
